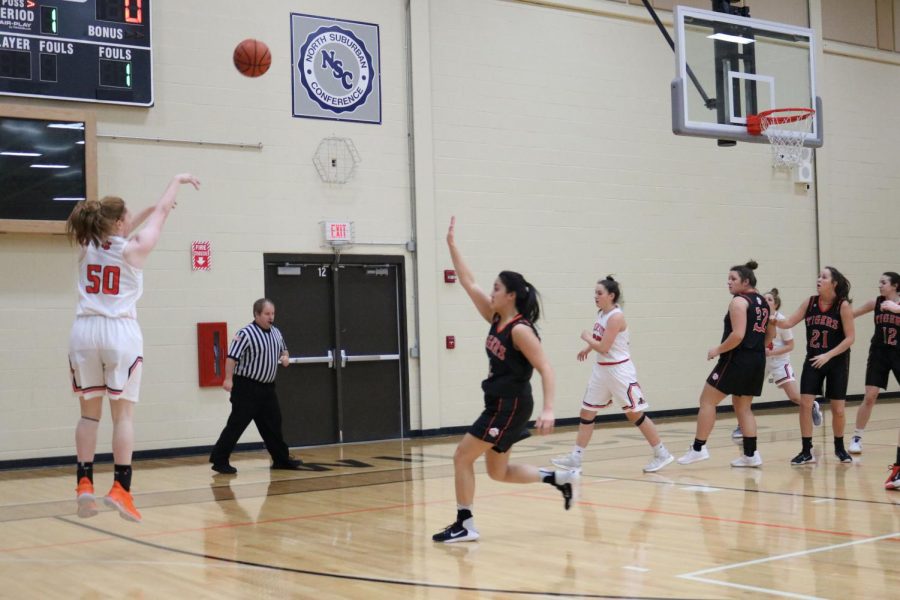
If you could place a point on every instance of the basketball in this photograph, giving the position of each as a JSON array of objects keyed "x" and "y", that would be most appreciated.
[{"x": 252, "y": 58}]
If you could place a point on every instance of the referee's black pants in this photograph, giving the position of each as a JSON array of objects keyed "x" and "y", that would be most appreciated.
[{"x": 257, "y": 402}]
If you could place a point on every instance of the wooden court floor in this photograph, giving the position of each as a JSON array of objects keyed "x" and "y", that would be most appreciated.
[{"x": 357, "y": 524}]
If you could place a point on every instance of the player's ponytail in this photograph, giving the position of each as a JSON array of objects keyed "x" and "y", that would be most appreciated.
[
  {"x": 841, "y": 285},
  {"x": 775, "y": 297},
  {"x": 91, "y": 221},
  {"x": 527, "y": 297},
  {"x": 745, "y": 271},
  {"x": 612, "y": 287}
]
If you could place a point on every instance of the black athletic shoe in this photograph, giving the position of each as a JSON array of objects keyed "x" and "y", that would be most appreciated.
[
  {"x": 455, "y": 532},
  {"x": 289, "y": 465},
  {"x": 843, "y": 456},
  {"x": 804, "y": 458},
  {"x": 224, "y": 468},
  {"x": 566, "y": 491}
]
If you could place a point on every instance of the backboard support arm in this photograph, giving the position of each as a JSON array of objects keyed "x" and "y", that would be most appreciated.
[{"x": 710, "y": 103}]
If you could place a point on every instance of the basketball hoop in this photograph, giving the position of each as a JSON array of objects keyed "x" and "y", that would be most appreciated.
[{"x": 786, "y": 129}]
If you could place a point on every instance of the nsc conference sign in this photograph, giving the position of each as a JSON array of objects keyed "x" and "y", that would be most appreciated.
[{"x": 336, "y": 70}]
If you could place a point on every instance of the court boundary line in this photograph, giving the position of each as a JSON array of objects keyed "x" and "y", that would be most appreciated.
[{"x": 695, "y": 575}]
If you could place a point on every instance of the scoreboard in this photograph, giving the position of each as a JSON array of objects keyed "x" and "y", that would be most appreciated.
[{"x": 85, "y": 50}]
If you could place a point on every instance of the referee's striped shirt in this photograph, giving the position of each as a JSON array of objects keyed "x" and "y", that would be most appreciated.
[{"x": 256, "y": 352}]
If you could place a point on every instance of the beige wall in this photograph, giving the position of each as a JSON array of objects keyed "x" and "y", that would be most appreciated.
[
  {"x": 545, "y": 129},
  {"x": 554, "y": 149},
  {"x": 851, "y": 22},
  {"x": 252, "y": 202}
]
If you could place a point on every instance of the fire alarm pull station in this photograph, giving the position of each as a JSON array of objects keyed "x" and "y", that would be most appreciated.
[
  {"x": 451, "y": 342},
  {"x": 449, "y": 276},
  {"x": 211, "y": 352}
]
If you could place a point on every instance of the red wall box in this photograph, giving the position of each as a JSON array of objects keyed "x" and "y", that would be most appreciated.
[{"x": 212, "y": 348}]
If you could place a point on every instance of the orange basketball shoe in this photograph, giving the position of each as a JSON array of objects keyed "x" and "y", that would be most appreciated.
[
  {"x": 84, "y": 494},
  {"x": 122, "y": 501}
]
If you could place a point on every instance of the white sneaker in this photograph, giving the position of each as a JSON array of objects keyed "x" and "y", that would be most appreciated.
[
  {"x": 737, "y": 434},
  {"x": 569, "y": 461},
  {"x": 658, "y": 462},
  {"x": 567, "y": 483},
  {"x": 692, "y": 456},
  {"x": 855, "y": 445},
  {"x": 748, "y": 461},
  {"x": 817, "y": 414}
]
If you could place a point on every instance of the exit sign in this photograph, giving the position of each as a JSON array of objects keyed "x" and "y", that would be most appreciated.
[{"x": 338, "y": 232}]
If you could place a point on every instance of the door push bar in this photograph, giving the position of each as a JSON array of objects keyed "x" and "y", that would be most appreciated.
[
  {"x": 345, "y": 358},
  {"x": 365, "y": 357},
  {"x": 306, "y": 360}
]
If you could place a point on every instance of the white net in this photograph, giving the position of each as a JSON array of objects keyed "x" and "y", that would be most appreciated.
[{"x": 786, "y": 135}]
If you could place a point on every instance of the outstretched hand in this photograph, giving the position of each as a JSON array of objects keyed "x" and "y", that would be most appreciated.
[
  {"x": 451, "y": 241},
  {"x": 188, "y": 178}
]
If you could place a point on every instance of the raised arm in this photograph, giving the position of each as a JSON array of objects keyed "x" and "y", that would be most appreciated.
[
  {"x": 144, "y": 241},
  {"x": 479, "y": 298},
  {"x": 849, "y": 337},
  {"x": 737, "y": 313},
  {"x": 864, "y": 308},
  {"x": 615, "y": 324},
  {"x": 527, "y": 342},
  {"x": 796, "y": 317},
  {"x": 139, "y": 219}
]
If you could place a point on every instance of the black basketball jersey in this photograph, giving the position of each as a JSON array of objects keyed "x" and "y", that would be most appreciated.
[
  {"x": 757, "y": 321},
  {"x": 824, "y": 329},
  {"x": 886, "y": 326},
  {"x": 510, "y": 371}
]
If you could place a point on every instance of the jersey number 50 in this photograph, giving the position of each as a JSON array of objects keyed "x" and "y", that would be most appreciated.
[{"x": 103, "y": 279}]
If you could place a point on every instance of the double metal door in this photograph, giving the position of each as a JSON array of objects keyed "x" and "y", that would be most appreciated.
[{"x": 344, "y": 326}]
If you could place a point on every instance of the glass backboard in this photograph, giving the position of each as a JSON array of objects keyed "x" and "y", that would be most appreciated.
[{"x": 729, "y": 66}]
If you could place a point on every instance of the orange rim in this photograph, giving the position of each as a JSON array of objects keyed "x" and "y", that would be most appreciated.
[{"x": 756, "y": 124}]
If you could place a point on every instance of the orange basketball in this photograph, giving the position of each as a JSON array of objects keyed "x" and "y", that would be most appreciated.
[{"x": 252, "y": 58}]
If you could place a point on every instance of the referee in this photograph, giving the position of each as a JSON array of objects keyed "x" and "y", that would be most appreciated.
[{"x": 250, "y": 369}]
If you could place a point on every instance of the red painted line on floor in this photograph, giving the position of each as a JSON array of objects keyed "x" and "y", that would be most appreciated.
[{"x": 712, "y": 518}]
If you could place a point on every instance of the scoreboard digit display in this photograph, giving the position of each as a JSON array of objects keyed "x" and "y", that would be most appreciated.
[{"x": 85, "y": 50}]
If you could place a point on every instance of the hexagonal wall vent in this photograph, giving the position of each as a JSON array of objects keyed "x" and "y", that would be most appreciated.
[{"x": 336, "y": 159}]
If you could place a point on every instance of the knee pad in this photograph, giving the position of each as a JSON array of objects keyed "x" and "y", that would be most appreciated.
[
  {"x": 587, "y": 421},
  {"x": 639, "y": 421}
]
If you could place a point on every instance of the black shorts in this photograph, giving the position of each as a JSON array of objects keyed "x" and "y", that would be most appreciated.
[
  {"x": 882, "y": 361},
  {"x": 739, "y": 373},
  {"x": 835, "y": 375},
  {"x": 504, "y": 421}
]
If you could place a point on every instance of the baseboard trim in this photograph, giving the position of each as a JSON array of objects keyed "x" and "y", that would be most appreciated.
[
  {"x": 107, "y": 457},
  {"x": 57, "y": 461}
]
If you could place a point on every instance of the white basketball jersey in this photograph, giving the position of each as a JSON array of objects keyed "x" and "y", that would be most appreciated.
[
  {"x": 618, "y": 352},
  {"x": 781, "y": 336},
  {"x": 107, "y": 285}
]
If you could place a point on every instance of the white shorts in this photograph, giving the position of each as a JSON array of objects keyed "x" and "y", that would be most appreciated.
[
  {"x": 105, "y": 357},
  {"x": 781, "y": 374},
  {"x": 614, "y": 383}
]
